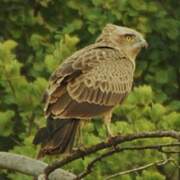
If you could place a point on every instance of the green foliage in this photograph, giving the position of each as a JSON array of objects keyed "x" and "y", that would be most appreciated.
[
  {"x": 36, "y": 36},
  {"x": 150, "y": 175},
  {"x": 6, "y": 122}
]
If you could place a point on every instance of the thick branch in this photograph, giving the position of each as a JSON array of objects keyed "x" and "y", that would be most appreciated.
[
  {"x": 30, "y": 166},
  {"x": 115, "y": 141}
]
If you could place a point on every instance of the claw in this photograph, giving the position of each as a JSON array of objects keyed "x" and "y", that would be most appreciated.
[
  {"x": 81, "y": 148},
  {"x": 111, "y": 140}
]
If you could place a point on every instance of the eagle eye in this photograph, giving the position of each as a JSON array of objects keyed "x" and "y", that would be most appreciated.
[{"x": 129, "y": 37}]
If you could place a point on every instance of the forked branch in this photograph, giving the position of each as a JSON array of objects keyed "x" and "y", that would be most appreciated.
[
  {"x": 157, "y": 163},
  {"x": 103, "y": 145},
  {"x": 159, "y": 147}
]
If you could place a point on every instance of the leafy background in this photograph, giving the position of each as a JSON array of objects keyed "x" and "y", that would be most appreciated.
[{"x": 37, "y": 35}]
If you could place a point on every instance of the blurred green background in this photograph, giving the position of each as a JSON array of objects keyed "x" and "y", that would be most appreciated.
[{"x": 37, "y": 35}]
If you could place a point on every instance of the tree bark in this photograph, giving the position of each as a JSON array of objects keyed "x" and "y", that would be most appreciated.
[{"x": 31, "y": 167}]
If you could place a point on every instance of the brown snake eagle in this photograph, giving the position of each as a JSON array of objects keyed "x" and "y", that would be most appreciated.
[{"x": 89, "y": 83}]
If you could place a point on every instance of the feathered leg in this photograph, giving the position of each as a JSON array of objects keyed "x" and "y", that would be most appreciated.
[
  {"x": 80, "y": 141},
  {"x": 107, "y": 121}
]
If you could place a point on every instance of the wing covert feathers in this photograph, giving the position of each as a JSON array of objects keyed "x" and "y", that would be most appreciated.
[
  {"x": 96, "y": 77},
  {"x": 105, "y": 84}
]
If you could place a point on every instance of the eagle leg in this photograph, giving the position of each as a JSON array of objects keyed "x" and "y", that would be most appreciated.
[
  {"x": 107, "y": 122},
  {"x": 79, "y": 146}
]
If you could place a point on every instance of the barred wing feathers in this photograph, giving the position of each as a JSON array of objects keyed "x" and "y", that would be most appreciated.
[{"x": 89, "y": 83}]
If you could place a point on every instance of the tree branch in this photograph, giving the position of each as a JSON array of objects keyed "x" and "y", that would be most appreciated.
[
  {"x": 103, "y": 145},
  {"x": 121, "y": 149},
  {"x": 30, "y": 166},
  {"x": 157, "y": 163}
]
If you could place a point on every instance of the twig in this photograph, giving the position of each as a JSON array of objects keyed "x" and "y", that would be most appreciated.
[
  {"x": 157, "y": 163},
  {"x": 121, "y": 149},
  {"x": 103, "y": 145}
]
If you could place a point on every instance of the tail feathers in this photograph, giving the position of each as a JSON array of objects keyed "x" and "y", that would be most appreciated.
[
  {"x": 41, "y": 136},
  {"x": 58, "y": 137}
]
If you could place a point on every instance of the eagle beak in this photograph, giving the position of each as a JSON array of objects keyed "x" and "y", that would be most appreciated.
[{"x": 144, "y": 43}]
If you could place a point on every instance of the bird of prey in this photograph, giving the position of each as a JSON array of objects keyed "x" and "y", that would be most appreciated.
[{"x": 89, "y": 83}]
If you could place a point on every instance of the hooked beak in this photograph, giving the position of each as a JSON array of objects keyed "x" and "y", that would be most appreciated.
[
  {"x": 144, "y": 44},
  {"x": 141, "y": 44}
]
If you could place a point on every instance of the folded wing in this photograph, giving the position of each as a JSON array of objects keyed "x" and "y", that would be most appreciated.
[{"x": 89, "y": 83}]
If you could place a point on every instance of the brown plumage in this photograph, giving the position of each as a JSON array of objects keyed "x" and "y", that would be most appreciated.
[{"x": 88, "y": 84}]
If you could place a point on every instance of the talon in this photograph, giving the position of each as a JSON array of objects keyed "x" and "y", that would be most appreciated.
[
  {"x": 81, "y": 149},
  {"x": 111, "y": 140}
]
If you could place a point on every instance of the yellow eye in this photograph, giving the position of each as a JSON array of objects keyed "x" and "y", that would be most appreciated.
[{"x": 129, "y": 37}]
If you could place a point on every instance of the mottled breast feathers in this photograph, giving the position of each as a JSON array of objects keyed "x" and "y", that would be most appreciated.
[{"x": 99, "y": 75}]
